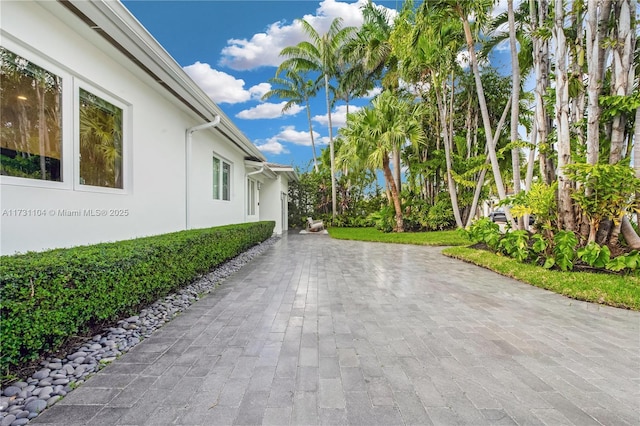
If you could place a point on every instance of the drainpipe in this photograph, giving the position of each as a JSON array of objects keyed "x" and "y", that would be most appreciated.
[{"x": 187, "y": 165}]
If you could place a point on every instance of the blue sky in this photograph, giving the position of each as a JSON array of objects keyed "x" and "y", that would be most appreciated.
[{"x": 231, "y": 49}]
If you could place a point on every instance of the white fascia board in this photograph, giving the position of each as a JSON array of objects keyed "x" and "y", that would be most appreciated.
[{"x": 119, "y": 24}]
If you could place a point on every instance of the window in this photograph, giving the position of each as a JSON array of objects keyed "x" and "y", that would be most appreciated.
[
  {"x": 30, "y": 119},
  {"x": 100, "y": 141},
  {"x": 221, "y": 180},
  {"x": 251, "y": 197}
]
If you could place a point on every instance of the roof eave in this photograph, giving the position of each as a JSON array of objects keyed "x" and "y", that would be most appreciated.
[{"x": 120, "y": 28}]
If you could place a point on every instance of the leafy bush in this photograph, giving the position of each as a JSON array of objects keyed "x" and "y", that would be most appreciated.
[
  {"x": 630, "y": 261},
  {"x": 485, "y": 231},
  {"x": 47, "y": 297},
  {"x": 515, "y": 244},
  {"x": 595, "y": 255},
  {"x": 564, "y": 253}
]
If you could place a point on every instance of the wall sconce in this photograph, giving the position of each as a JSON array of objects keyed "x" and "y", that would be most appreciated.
[{"x": 259, "y": 185}]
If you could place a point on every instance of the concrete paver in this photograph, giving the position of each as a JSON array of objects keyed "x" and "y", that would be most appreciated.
[{"x": 320, "y": 331}]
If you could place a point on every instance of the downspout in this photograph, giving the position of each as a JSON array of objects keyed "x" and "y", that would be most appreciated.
[{"x": 187, "y": 164}]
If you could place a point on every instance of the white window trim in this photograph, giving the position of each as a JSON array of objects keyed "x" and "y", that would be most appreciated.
[
  {"x": 66, "y": 163},
  {"x": 255, "y": 194},
  {"x": 127, "y": 168},
  {"x": 222, "y": 160}
]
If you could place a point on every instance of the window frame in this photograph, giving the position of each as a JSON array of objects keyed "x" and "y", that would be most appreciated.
[
  {"x": 127, "y": 168},
  {"x": 66, "y": 123},
  {"x": 220, "y": 193},
  {"x": 252, "y": 197}
]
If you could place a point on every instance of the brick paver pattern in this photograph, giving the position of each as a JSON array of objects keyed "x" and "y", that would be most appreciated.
[{"x": 321, "y": 331}]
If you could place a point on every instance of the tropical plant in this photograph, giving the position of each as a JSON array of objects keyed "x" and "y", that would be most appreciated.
[
  {"x": 297, "y": 89},
  {"x": 320, "y": 54}
]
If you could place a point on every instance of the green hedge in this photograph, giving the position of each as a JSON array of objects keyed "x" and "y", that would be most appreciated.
[{"x": 48, "y": 296}]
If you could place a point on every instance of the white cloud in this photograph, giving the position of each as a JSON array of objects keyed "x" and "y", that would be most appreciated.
[
  {"x": 291, "y": 135},
  {"x": 338, "y": 116},
  {"x": 272, "y": 147},
  {"x": 263, "y": 49},
  {"x": 222, "y": 87},
  {"x": 268, "y": 110},
  {"x": 373, "y": 93}
]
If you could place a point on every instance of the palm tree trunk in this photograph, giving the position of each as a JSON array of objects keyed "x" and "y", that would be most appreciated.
[
  {"x": 313, "y": 144},
  {"x": 594, "y": 52},
  {"x": 565, "y": 204},
  {"x": 486, "y": 120},
  {"x": 331, "y": 151},
  {"x": 620, "y": 75},
  {"x": 453, "y": 194},
  {"x": 627, "y": 231},
  {"x": 483, "y": 172},
  {"x": 395, "y": 197},
  {"x": 541, "y": 67},
  {"x": 515, "y": 100}
]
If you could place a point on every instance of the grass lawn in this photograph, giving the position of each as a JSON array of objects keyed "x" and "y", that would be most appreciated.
[
  {"x": 621, "y": 291},
  {"x": 436, "y": 238}
]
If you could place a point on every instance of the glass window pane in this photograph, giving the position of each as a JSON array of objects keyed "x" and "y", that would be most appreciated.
[
  {"x": 100, "y": 142},
  {"x": 30, "y": 119},
  {"x": 226, "y": 175},
  {"x": 216, "y": 178}
]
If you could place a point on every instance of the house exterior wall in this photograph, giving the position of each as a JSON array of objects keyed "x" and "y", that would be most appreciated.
[
  {"x": 38, "y": 215},
  {"x": 275, "y": 190}
]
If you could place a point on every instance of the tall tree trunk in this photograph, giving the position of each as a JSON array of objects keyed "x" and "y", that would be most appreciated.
[
  {"x": 397, "y": 169},
  {"x": 395, "y": 197},
  {"x": 565, "y": 205},
  {"x": 515, "y": 100},
  {"x": 486, "y": 120},
  {"x": 483, "y": 172},
  {"x": 332, "y": 155},
  {"x": 453, "y": 194},
  {"x": 594, "y": 53},
  {"x": 621, "y": 68},
  {"x": 542, "y": 71},
  {"x": 313, "y": 144}
]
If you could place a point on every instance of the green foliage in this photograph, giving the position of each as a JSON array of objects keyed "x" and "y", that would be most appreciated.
[
  {"x": 440, "y": 216},
  {"x": 485, "y": 231},
  {"x": 564, "y": 253},
  {"x": 607, "y": 191},
  {"x": 515, "y": 244},
  {"x": 594, "y": 255},
  {"x": 540, "y": 200},
  {"x": 540, "y": 244},
  {"x": 630, "y": 261},
  {"x": 47, "y": 297},
  {"x": 383, "y": 219}
]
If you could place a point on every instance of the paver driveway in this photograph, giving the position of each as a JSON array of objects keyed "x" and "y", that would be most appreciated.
[{"x": 320, "y": 331}]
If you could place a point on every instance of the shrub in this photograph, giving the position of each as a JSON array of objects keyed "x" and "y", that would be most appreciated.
[{"x": 48, "y": 296}]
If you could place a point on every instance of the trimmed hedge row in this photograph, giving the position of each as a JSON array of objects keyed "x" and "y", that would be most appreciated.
[{"x": 48, "y": 296}]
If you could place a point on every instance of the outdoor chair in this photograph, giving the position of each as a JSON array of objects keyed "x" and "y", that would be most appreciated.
[{"x": 314, "y": 225}]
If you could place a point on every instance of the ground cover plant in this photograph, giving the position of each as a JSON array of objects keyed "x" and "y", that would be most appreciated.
[{"x": 47, "y": 297}]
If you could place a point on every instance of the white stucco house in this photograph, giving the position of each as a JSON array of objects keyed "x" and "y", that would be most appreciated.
[{"x": 104, "y": 137}]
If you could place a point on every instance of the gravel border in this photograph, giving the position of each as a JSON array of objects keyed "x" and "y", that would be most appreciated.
[{"x": 24, "y": 400}]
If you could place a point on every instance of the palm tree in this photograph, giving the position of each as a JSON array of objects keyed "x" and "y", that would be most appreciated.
[
  {"x": 373, "y": 133},
  {"x": 297, "y": 89},
  {"x": 320, "y": 54},
  {"x": 479, "y": 9},
  {"x": 371, "y": 51}
]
